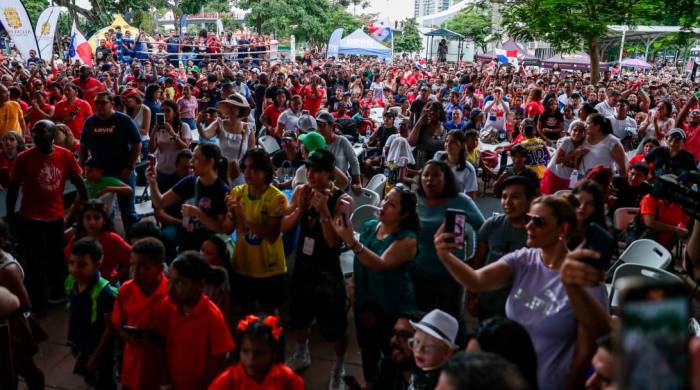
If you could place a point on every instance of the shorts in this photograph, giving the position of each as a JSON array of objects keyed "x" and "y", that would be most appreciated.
[
  {"x": 268, "y": 292},
  {"x": 319, "y": 295}
]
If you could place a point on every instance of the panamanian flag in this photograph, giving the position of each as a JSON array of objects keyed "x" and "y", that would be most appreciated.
[
  {"x": 380, "y": 32},
  {"x": 79, "y": 47},
  {"x": 507, "y": 57}
]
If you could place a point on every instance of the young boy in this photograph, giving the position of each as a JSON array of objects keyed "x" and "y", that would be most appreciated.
[
  {"x": 134, "y": 316},
  {"x": 90, "y": 299},
  {"x": 97, "y": 184},
  {"x": 519, "y": 168},
  {"x": 432, "y": 344}
]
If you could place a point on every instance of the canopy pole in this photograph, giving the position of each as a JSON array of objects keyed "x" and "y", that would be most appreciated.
[{"x": 622, "y": 45}]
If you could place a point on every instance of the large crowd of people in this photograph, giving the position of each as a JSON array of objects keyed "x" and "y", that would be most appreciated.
[{"x": 247, "y": 162}]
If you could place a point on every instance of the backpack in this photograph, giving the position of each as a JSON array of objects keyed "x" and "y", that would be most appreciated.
[
  {"x": 101, "y": 284},
  {"x": 349, "y": 128}
]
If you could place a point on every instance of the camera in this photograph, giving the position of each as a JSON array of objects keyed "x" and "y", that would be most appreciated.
[{"x": 680, "y": 190}]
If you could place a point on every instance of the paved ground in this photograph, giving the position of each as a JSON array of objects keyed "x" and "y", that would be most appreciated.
[{"x": 57, "y": 363}]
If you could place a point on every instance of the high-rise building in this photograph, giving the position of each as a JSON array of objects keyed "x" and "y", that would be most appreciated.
[{"x": 429, "y": 7}]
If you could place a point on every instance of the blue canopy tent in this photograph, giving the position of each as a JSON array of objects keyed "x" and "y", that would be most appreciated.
[{"x": 359, "y": 43}]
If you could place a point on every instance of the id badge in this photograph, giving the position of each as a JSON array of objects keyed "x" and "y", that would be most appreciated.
[{"x": 308, "y": 248}]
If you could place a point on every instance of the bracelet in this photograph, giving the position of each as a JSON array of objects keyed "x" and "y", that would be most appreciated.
[{"x": 358, "y": 251}]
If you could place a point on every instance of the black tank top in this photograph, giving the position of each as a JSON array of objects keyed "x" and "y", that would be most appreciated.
[{"x": 323, "y": 256}]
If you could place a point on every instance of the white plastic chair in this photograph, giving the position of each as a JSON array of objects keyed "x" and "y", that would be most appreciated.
[
  {"x": 648, "y": 253},
  {"x": 638, "y": 271},
  {"x": 377, "y": 184},
  {"x": 624, "y": 216},
  {"x": 367, "y": 196},
  {"x": 269, "y": 144},
  {"x": 362, "y": 214}
]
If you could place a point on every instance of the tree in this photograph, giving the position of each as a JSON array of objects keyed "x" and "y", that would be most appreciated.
[
  {"x": 100, "y": 13},
  {"x": 309, "y": 20},
  {"x": 474, "y": 24},
  {"x": 409, "y": 41},
  {"x": 35, "y": 8},
  {"x": 573, "y": 25}
]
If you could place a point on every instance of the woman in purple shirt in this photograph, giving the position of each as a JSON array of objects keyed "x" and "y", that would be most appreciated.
[{"x": 555, "y": 296}]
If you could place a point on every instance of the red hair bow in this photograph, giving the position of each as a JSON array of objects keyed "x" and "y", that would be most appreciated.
[
  {"x": 272, "y": 322},
  {"x": 247, "y": 321}
]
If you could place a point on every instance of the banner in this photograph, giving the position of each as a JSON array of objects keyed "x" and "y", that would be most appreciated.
[
  {"x": 45, "y": 31},
  {"x": 14, "y": 18},
  {"x": 334, "y": 43},
  {"x": 79, "y": 48}
]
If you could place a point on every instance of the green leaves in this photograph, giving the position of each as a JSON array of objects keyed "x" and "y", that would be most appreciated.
[
  {"x": 474, "y": 24},
  {"x": 309, "y": 20},
  {"x": 409, "y": 41}
]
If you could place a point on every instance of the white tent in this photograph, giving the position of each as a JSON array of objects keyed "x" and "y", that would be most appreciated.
[{"x": 359, "y": 43}]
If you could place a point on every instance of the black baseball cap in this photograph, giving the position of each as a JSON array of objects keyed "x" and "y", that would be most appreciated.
[{"x": 321, "y": 159}]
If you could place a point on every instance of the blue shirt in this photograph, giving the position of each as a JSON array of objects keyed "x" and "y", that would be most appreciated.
[
  {"x": 82, "y": 333},
  {"x": 430, "y": 220},
  {"x": 110, "y": 141},
  {"x": 450, "y": 125}
]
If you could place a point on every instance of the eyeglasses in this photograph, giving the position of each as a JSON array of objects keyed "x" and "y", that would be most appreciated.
[
  {"x": 402, "y": 334},
  {"x": 418, "y": 346},
  {"x": 536, "y": 220}
]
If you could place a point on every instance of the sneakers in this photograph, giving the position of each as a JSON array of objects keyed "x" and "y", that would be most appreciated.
[
  {"x": 300, "y": 360},
  {"x": 337, "y": 374}
]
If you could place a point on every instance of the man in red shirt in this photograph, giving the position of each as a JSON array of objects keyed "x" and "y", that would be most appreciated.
[
  {"x": 90, "y": 85},
  {"x": 42, "y": 172},
  {"x": 313, "y": 96},
  {"x": 72, "y": 111},
  {"x": 667, "y": 219},
  {"x": 691, "y": 127}
]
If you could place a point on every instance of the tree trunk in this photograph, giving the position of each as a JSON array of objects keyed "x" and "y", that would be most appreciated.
[
  {"x": 258, "y": 24},
  {"x": 594, "y": 53}
]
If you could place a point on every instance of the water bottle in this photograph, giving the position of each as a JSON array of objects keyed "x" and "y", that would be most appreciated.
[
  {"x": 573, "y": 179},
  {"x": 368, "y": 133},
  {"x": 502, "y": 135}
]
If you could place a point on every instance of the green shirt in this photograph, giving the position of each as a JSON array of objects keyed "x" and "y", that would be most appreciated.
[
  {"x": 95, "y": 188},
  {"x": 389, "y": 291}
]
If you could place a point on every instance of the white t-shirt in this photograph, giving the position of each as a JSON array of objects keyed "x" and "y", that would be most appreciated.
[
  {"x": 605, "y": 109},
  {"x": 621, "y": 125},
  {"x": 466, "y": 178},
  {"x": 560, "y": 170},
  {"x": 289, "y": 119},
  {"x": 496, "y": 116},
  {"x": 167, "y": 150},
  {"x": 599, "y": 154}
]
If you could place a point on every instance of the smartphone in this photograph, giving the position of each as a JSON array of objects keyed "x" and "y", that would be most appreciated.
[
  {"x": 454, "y": 223},
  {"x": 653, "y": 342},
  {"x": 344, "y": 210},
  {"x": 151, "y": 161},
  {"x": 601, "y": 241},
  {"x": 160, "y": 118}
]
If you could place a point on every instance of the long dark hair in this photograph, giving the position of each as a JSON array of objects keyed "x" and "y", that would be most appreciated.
[
  {"x": 462, "y": 138},
  {"x": 151, "y": 90},
  {"x": 191, "y": 265},
  {"x": 510, "y": 340},
  {"x": 408, "y": 207},
  {"x": 93, "y": 205},
  {"x": 603, "y": 122},
  {"x": 223, "y": 254},
  {"x": 177, "y": 123},
  {"x": 450, "y": 190},
  {"x": 213, "y": 152},
  {"x": 261, "y": 161},
  {"x": 596, "y": 190}
]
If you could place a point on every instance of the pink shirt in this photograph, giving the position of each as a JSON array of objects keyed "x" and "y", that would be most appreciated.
[{"x": 187, "y": 107}]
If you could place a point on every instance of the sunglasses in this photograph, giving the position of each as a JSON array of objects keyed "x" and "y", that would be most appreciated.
[{"x": 536, "y": 220}]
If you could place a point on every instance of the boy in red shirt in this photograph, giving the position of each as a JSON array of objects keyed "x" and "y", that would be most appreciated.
[
  {"x": 72, "y": 111},
  {"x": 42, "y": 172},
  {"x": 134, "y": 316},
  {"x": 665, "y": 218}
]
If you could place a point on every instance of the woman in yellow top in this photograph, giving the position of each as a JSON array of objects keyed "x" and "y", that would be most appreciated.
[
  {"x": 255, "y": 210},
  {"x": 11, "y": 116}
]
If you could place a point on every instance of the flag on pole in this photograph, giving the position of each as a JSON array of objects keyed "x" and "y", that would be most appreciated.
[
  {"x": 507, "y": 57},
  {"x": 380, "y": 32},
  {"x": 79, "y": 47}
]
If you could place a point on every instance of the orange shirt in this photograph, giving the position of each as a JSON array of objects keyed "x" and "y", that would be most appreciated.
[
  {"x": 142, "y": 367},
  {"x": 670, "y": 213},
  {"x": 279, "y": 377},
  {"x": 193, "y": 341}
]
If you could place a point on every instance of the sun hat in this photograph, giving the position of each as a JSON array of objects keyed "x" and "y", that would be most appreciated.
[
  {"x": 440, "y": 325},
  {"x": 236, "y": 100}
]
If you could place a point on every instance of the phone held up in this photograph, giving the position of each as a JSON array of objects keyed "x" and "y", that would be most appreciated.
[
  {"x": 454, "y": 223},
  {"x": 599, "y": 240},
  {"x": 654, "y": 334}
]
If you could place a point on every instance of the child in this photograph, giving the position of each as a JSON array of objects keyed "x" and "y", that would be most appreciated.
[
  {"x": 455, "y": 156},
  {"x": 93, "y": 221},
  {"x": 134, "y": 316},
  {"x": 259, "y": 359},
  {"x": 90, "y": 299},
  {"x": 217, "y": 256},
  {"x": 197, "y": 338},
  {"x": 98, "y": 185},
  {"x": 432, "y": 344}
]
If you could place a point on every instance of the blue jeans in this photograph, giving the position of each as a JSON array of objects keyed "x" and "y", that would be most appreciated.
[
  {"x": 191, "y": 123},
  {"x": 127, "y": 204}
]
